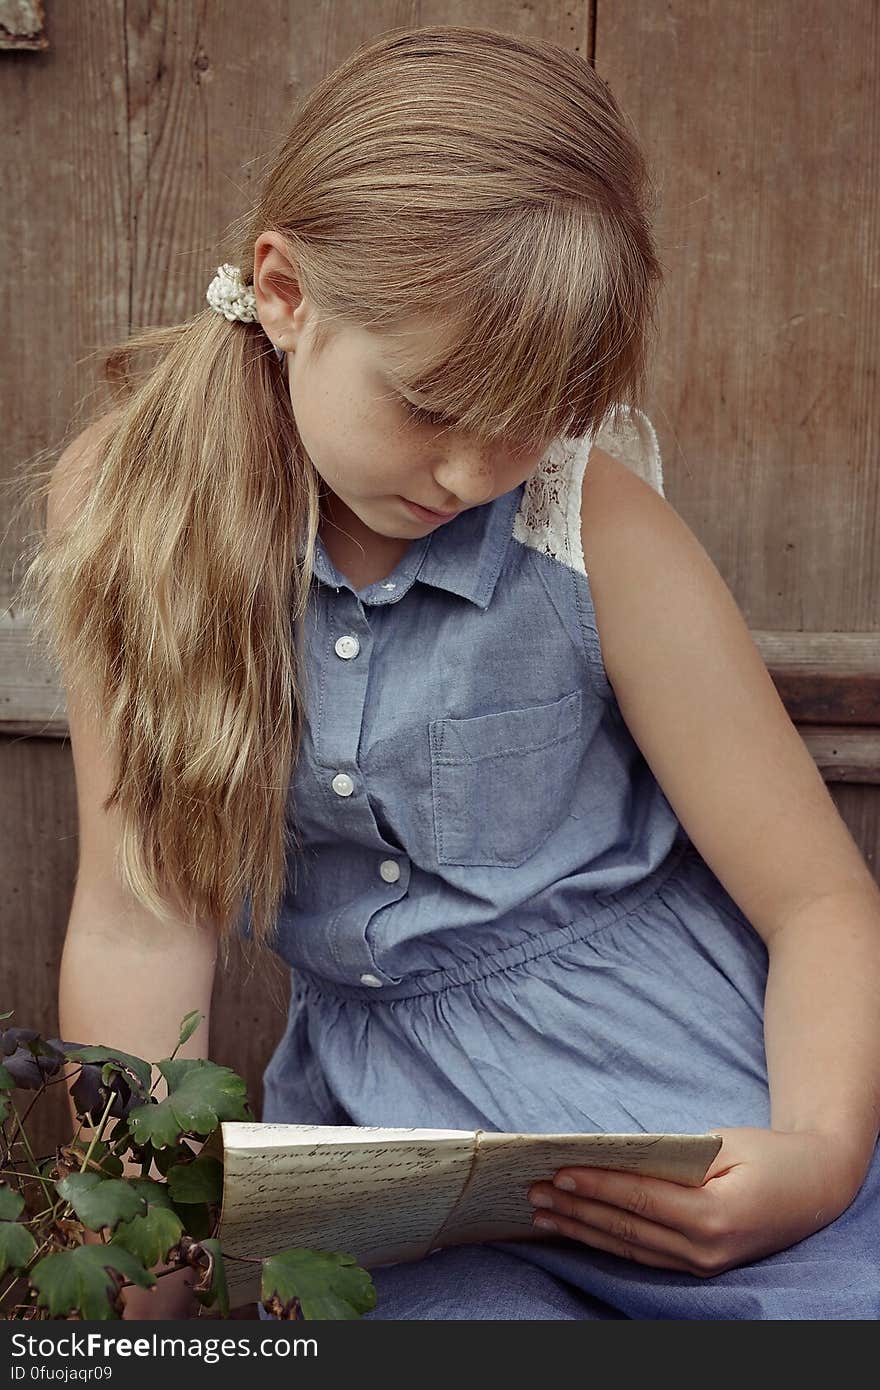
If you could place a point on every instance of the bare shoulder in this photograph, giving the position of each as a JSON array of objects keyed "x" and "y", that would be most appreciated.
[
  {"x": 649, "y": 574},
  {"x": 631, "y": 537},
  {"x": 613, "y": 492},
  {"x": 74, "y": 472}
]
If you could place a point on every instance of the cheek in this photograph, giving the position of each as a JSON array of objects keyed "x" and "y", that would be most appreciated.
[
  {"x": 321, "y": 421},
  {"x": 349, "y": 455},
  {"x": 354, "y": 445},
  {"x": 312, "y": 437}
]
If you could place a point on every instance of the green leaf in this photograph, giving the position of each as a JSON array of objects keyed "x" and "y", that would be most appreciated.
[
  {"x": 188, "y": 1026},
  {"x": 326, "y": 1284},
  {"x": 214, "y": 1280},
  {"x": 11, "y": 1202},
  {"x": 7, "y": 1080},
  {"x": 151, "y": 1236},
  {"x": 200, "y": 1095},
  {"x": 197, "y": 1218},
  {"x": 154, "y": 1193},
  {"x": 81, "y": 1279},
  {"x": 17, "y": 1245},
  {"x": 199, "y": 1181},
  {"x": 166, "y": 1158},
  {"x": 100, "y": 1201},
  {"x": 136, "y": 1065},
  {"x": 5, "y": 1109}
]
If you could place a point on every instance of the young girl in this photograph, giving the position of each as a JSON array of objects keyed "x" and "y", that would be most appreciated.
[{"x": 395, "y": 650}]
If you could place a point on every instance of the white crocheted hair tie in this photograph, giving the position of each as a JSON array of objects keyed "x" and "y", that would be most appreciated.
[{"x": 230, "y": 296}]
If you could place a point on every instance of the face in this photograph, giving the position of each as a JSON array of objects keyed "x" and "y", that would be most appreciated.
[{"x": 374, "y": 448}]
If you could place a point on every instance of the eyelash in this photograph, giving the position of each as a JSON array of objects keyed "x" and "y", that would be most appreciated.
[{"x": 425, "y": 416}]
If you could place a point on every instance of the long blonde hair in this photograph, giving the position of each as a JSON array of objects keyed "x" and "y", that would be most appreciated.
[{"x": 488, "y": 177}]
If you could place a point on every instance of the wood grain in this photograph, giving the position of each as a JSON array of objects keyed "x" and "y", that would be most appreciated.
[{"x": 136, "y": 137}]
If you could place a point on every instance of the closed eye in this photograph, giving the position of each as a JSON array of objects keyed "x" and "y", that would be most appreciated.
[{"x": 425, "y": 416}]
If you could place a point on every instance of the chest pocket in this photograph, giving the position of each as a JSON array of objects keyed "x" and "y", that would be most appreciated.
[{"x": 500, "y": 782}]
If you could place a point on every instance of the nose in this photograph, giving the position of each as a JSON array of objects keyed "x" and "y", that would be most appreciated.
[{"x": 467, "y": 474}]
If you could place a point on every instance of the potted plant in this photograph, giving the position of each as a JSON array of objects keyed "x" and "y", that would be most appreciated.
[{"x": 81, "y": 1224}]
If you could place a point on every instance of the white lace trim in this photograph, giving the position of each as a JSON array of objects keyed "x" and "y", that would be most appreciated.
[
  {"x": 549, "y": 514},
  {"x": 544, "y": 518}
]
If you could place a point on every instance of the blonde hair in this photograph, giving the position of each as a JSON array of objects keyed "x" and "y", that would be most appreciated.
[{"x": 485, "y": 172}]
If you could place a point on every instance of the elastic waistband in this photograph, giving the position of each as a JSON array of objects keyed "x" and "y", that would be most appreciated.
[{"x": 603, "y": 909}]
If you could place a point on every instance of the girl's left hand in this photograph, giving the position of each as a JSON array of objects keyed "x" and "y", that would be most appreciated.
[{"x": 765, "y": 1190}]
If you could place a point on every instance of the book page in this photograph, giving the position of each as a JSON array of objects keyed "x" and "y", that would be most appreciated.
[
  {"x": 494, "y": 1205},
  {"x": 376, "y": 1194}
]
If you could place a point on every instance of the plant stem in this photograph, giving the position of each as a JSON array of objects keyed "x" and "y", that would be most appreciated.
[
  {"x": 68, "y": 1207},
  {"x": 11, "y": 1285},
  {"x": 11, "y": 1141},
  {"x": 35, "y": 1177},
  {"x": 97, "y": 1135},
  {"x": 44, "y": 1086},
  {"x": 24, "y": 1139}
]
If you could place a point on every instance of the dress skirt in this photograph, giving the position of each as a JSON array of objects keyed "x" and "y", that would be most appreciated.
[{"x": 644, "y": 1015}]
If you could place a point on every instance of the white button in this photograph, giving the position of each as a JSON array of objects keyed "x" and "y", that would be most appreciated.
[
  {"x": 342, "y": 784},
  {"x": 347, "y": 647},
  {"x": 390, "y": 870},
  {"x": 370, "y": 980}
]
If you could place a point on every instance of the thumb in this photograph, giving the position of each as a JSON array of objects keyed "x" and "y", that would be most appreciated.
[{"x": 721, "y": 1162}]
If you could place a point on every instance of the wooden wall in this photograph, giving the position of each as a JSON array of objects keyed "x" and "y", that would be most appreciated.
[{"x": 132, "y": 140}]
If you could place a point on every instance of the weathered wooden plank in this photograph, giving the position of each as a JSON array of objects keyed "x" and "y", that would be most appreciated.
[
  {"x": 762, "y": 124},
  {"x": 822, "y": 678},
  {"x": 825, "y": 677}
]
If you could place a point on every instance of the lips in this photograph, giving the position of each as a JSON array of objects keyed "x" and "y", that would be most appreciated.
[
  {"x": 445, "y": 515},
  {"x": 432, "y": 511}
]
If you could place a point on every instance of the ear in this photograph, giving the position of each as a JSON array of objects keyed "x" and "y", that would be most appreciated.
[{"x": 282, "y": 308}]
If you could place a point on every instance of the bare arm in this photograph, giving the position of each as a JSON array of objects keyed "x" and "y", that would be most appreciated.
[
  {"x": 135, "y": 974},
  {"x": 127, "y": 978},
  {"x": 822, "y": 1026},
  {"x": 126, "y": 981},
  {"x": 698, "y": 700}
]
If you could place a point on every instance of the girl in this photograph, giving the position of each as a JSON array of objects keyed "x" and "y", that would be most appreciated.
[{"x": 403, "y": 670}]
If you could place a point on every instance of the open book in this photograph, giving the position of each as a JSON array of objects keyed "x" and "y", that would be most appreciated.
[{"x": 392, "y": 1195}]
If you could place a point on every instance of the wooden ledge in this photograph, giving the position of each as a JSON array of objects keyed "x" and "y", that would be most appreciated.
[{"x": 829, "y": 683}]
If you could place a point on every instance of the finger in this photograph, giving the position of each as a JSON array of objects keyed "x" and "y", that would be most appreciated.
[
  {"x": 670, "y": 1204},
  {"x": 621, "y": 1226},
  {"x": 602, "y": 1240}
]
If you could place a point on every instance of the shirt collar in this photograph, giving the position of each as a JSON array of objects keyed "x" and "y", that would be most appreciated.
[
  {"x": 466, "y": 555},
  {"x": 463, "y": 556}
]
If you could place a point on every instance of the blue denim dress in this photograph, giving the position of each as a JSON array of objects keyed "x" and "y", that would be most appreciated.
[{"x": 496, "y": 920}]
